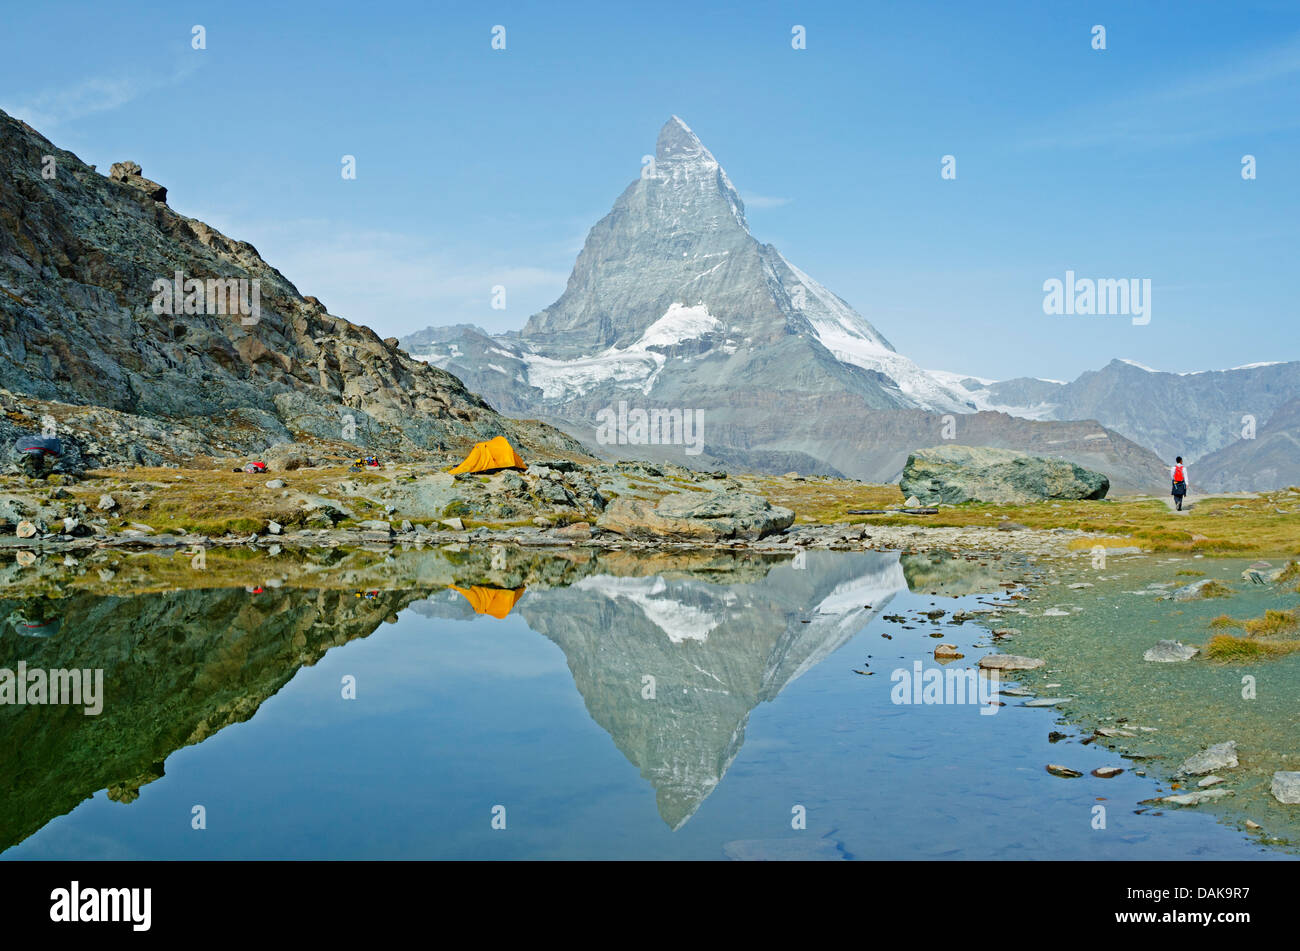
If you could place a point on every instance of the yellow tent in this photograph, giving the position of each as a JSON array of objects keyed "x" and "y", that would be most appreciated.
[
  {"x": 494, "y": 454},
  {"x": 497, "y": 602}
]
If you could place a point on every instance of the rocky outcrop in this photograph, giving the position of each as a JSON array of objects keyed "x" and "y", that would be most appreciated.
[
  {"x": 129, "y": 173},
  {"x": 706, "y": 516},
  {"x": 955, "y": 474}
]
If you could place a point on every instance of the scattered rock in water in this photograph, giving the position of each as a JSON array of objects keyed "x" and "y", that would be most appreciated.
[
  {"x": 948, "y": 652},
  {"x": 1046, "y": 701},
  {"x": 1191, "y": 798},
  {"x": 1210, "y": 780},
  {"x": 1286, "y": 787},
  {"x": 1167, "y": 652},
  {"x": 1011, "y": 662},
  {"x": 1063, "y": 771},
  {"x": 1107, "y": 772},
  {"x": 1002, "y": 632},
  {"x": 1111, "y": 731},
  {"x": 1218, "y": 756},
  {"x": 1253, "y": 826},
  {"x": 1193, "y": 591}
]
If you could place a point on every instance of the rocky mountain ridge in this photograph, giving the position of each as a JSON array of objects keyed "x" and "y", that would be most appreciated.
[{"x": 158, "y": 336}]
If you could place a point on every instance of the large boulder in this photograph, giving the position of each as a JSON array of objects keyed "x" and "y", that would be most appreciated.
[
  {"x": 287, "y": 457},
  {"x": 703, "y": 516},
  {"x": 980, "y": 474}
]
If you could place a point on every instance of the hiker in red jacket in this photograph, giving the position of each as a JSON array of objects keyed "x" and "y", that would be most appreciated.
[{"x": 1179, "y": 474}]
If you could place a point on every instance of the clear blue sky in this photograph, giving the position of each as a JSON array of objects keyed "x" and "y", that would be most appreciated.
[{"x": 477, "y": 167}]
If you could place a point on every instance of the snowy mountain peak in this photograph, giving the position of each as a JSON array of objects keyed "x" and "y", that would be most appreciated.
[{"x": 677, "y": 141}]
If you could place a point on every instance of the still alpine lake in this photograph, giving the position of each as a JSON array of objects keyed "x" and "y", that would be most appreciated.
[{"x": 469, "y": 704}]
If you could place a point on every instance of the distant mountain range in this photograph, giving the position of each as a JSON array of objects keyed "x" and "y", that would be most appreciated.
[
  {"x": 673, "y": 305},
  {"x": 1193, "y": 415}
]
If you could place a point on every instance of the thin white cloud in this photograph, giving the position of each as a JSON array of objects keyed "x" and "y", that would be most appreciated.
[
  {"x": 396, "y": 283},
  {"x": 1207, "y": 104},
  {"x": 52, "y": 107}
]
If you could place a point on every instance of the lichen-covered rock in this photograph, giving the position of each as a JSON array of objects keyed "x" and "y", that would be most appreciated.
[
  {"x": 956, "y": 474},
  {"x": 697, "y": 515}
]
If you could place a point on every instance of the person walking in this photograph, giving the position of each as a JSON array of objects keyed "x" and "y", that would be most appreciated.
[{"x": 1179, "y": 475}]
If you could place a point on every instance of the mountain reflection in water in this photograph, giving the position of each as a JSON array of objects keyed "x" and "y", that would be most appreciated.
[{"x": 715, "y": 633}]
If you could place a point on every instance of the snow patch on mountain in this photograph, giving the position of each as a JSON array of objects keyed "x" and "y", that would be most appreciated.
[
  {"x": 637, "y": 365},
  {"x": 850, "y": 339},
  {"x": 680, "y": 622},
  {"x": 678, "y": 323}
]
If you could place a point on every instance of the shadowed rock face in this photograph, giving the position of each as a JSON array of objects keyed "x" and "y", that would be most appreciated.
[{"x": 79, "y": 255}]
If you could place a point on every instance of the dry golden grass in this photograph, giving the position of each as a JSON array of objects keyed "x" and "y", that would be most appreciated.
[
  {"x": 208, "y": 501},
  {"x": 1216, "y": 526},
  {"x": 1226, "y": 647},
  {"x": 1214, "y": 589}
]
